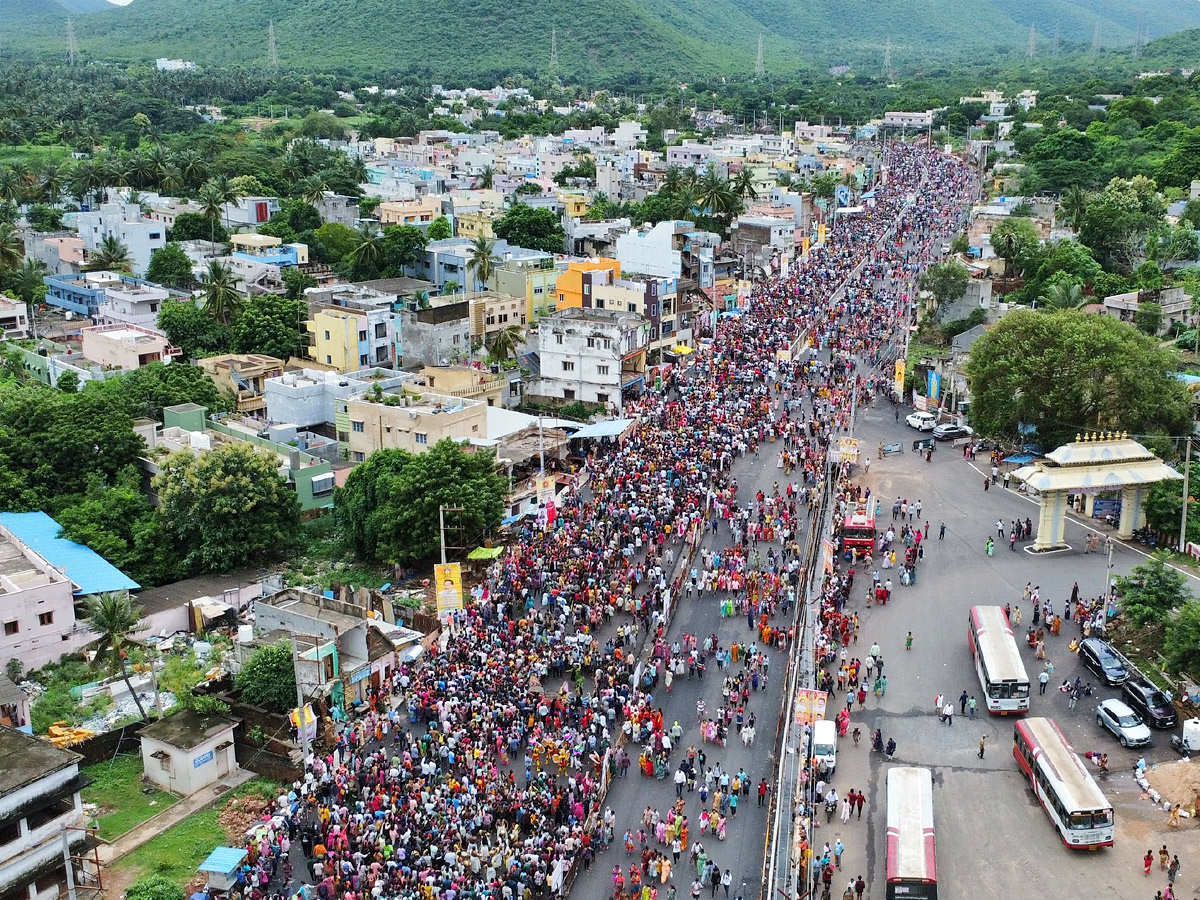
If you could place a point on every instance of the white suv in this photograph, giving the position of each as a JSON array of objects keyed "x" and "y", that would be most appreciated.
[{"x": 922, "y": 421}]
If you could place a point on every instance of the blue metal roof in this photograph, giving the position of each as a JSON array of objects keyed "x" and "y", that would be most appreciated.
[
  {"x": 90, "y": 572},
  {"x": 223, "y": 860},
  {"x": 609, "y": 428}
]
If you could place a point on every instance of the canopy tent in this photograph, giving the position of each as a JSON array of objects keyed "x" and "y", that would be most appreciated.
[
  {"x": 485, "y": 553},
  {"x": 607, "y": 428}
]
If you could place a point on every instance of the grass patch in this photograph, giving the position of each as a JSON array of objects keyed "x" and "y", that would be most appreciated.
[
  {"x": 176, "y": 852},
  {"x": 117, "y": 789},
  {"x": 34, "y": 154}
]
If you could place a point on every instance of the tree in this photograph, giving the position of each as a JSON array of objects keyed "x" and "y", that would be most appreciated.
[
  {"x": 44, "y": 218},
  {"x": 1148, "y": 317},
  {"x": 481, "y": 260},
  {"x": 197, "y": 227},
  {"x": 388, "y": 508},
  {"x": 1063, "y": 293},
  {"x": 946, "y": 281},
  {"x": 218, "y": 287},
  {"x": 402, "y": 246},
  {"x": 296, "y": 282},
  {"x": 68, "y": 382},
  {"x": 193, "y": 330},
  {"x": 154, "y": 887},
  {"x": 12, "y": 248},
  {"x": 533, "y": 229},
  {"x": 1070, "y": 258},
  {"x": 1068, "y": 372},
  {"x": 110, "y": 256},
  {"x": 169, "y": 265},
  {"x": 227, "y": 506},
  {"x": 743, "y": 185},
  {"x": 368, "y": 251},
  {"x": 1074, "y": 205},
  {"x": 1117, "y": 220},
  {"x": 1016, "y": 241},
  {"x": 960, "y": 244},
  {"x": 439, "y": 229},
  {"x": 504, "y": 343},
  {"x": 337, "y": 240},
  {"x": 272, "y": 325},
  {"x": 114, "y": 617},
  {"x": 1152, "y": 590},
  {"x": 1181, "y": 646},
  {"x": 268, "y": 679}
]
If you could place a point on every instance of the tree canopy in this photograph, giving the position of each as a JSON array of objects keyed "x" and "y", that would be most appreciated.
[
  {"x": 1067, "y": 372},
  {"x": 533, "y": 229},
  {"x": 271, "y": 324},
  {"x": 268, "y": 679},
  {"x": 1152, "y": 590}
]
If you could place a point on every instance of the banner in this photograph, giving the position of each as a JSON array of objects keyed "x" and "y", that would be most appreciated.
[
  {"x": 821, "y": 233},
  {"x": 843, "y": 195},
  {"x": 827, "y": 554},
  {"x": 448, "y": 583},
  {"x": 545, "y": 488},
  {"x": 898, "y": 383},
  {"x": 310, "y": 722},
  {"x": 848, "y": 449},
  {"x": 933, "y": 385},
  {"x": 810, "y": 706}
]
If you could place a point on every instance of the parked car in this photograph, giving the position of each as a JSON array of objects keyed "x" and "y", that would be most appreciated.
[
  {"x": 948, "y": 431},
  {"x": 1148, "y": 700},
  {"x": 1122, "y": 721},
  {"x": 922, "y": 421},
  {"x": 1101, "y": 658}
]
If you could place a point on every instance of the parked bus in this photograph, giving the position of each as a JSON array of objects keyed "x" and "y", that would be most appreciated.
[
  {"x": 1062, "y": 784},
  {"x": 997, "y": 661},
  {"x": 911, "y": 860},
  {"x": 858, "y": 529}
]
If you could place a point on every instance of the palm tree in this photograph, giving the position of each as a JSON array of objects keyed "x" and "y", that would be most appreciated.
[
  {"x": 191, "y": 166},
  {"x": 357, "y": 169},
  {"x": 673, "y": 180},
  {"x": 1063, "y": 295},
  {"x": 54, "y": 177},
  {"x": 12, "y": 185},
  {"x": 212, "y": 204},
  {"x": 503, "y": 344},
  {"x": 312, "y": 189},
  {"x": 1074, "y": 205},
  {"x": 111, "y": 255},
  {"x": 86, "y": 179},
  {"x": 715, "y": 195},
  {"x": 28, "y": 280},
  {"x": 743, "y": 185},
  {"x": 218, "y": 287},
  {"x": 486, "y": 178},
  {"x": 12, "y": 248},
  {"x": 368, "y": 251},
  {"x": 685, "y": 201},
  {"x": 481, "y": 259},
  {"x": 114, "y": 617}
]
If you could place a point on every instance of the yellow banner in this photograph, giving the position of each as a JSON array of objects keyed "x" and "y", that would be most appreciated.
[
  {"x": 848, "y": 448},
  {"x": 810, "y": 706},
  {"x": 898, "y": 386},
  {"x": 448, "y": 584}
]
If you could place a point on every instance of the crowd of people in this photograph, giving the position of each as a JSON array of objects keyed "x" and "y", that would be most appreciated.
[{"x": 481, "y": 770}]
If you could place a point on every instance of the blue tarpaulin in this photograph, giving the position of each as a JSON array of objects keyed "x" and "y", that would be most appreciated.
[
  {"x": 89, "y": 571},
  {"x": 609, "y": 428},
  {"x": 1019, "y": 460},
  {"x": 222, "y": 860}
]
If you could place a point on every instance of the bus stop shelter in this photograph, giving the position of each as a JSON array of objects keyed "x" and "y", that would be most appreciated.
[{"x": 1097, "y": 463}]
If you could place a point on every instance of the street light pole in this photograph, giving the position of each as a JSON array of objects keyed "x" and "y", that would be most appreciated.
[{"x": 1187, "y": 467}]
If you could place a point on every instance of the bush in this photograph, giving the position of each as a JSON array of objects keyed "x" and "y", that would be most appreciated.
[
  {"x": 154, "y": 887},
  {"x": 268, "y": 679},
  {"x": 205, "y": 705}
]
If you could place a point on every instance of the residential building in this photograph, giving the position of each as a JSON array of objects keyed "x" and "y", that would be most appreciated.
[
  {"x": 352, "y": 339},
  {"x": 84, "y": 294},
  {"x": 130, "y": 302},
  {"x": 1175, "y": 303},
  {"x": 761, "y": 237},
  {"x": 490, "y": 312},
  {"x": 249, "y": 212},
  {"x": 173, "y": 65},
  {"x": 574, "y": 285},
  {"x": 316, "y": 399},
  {"x": 167, "y": 209},
  {"x": 468, "y": 382},
  {"x": 803, "y": 131},
  {"x": 243, "y": 377},
  {"x": 653, "y": 251},
  {"x": 412, "y": 422},
  {"x": 530, "y": 276},
  {"x": 62, "y": 253},
  {"x": 268, "y": 250},
  {"x": 186, "y": 426},
  {"x": 14, "y": 706},
  {"x": 338, "y": 208},
  {"x": 187, "y": 752},
  {"x": 575, "y": 204},
  {"x": 40, "y": 813},
  {"x": 122, "y": 220},
  {"x": 689, "y": 154},
  {"x": 656, "y": 300},
  {"x": 475, "y": 224},
  {"x": 908, "y": 119},
  {"x": 436, "y": 336},
  {"x": 447, "y": 261},
  {"x": 126, "y": 347},
  {"x": 14, "y": 319},
  {"x": 419, "y": 212},
  {"x": 41, "y": 574},
  {"x": 592, "y": 354}
]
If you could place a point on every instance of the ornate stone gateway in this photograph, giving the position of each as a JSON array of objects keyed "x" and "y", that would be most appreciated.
[{"x": 1092, "y": 464}]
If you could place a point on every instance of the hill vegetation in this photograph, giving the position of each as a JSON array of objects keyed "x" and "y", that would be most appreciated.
[
  {"x": 486, "y": 38},
  {"x": 17, "y": 10}
]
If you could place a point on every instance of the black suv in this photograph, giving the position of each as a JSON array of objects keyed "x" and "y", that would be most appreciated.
[
  {"x": 1101, "y": 658},
  {"x": 1150, "y": 702}
]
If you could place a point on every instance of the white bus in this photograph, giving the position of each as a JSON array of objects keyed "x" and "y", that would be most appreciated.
[
  {"x": 997, "y": 661},
  {"x": 1061, "y": 783},
  {"x": 911, "y": 855}
]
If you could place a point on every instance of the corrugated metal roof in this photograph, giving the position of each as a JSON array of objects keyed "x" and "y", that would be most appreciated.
[
  {"x": 90, "y": 572},
  {"x": 222, "y": 859}
]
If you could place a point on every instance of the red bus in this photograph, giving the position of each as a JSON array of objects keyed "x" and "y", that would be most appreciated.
[
  {"x": 911, "y": 851},
  {"x": 858, "y": 530},
  {"x": 1070, "y": 796}
]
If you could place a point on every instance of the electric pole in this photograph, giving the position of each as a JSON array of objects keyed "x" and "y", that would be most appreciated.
[
  {"x": 1187, "y": 467},
  {"x": 301, "y": 719},
  {"x": 272, "y": 50},
  {"x": 1032, "y": 48},
  {"x": 760, "y": 68},
  {"x": 72, "y": 44}
]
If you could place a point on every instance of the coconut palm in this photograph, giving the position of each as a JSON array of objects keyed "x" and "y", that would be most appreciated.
[
  {"x": 191, "y": 166},
  {"x": 1063, "y": 295},
  {"x": 218, "y": 289},
  {"x": 11, "y": 247},
  {"x": 212, "y": 205},
  {"x": 53, "y": 179},
  {"x": 504, "y": 343},
  {"x": 114, "y": 616},
  {"x": 357, "y": 169},
  {"x": 486, "y": 178},
  {"x": 743, "y": 185},
  {"x": 715, "y": 195},
  {"x": 86, "y": 179},
  {"x": 684, "y": 203},
  {"x": 368, "y": 250},
  {"x": 28, "y": 279},
  {"x": 1074, "y": 205},
  {"x": 481, "y": 259},
  {"x": 12, "y": 185},
  {"x": 673, "y": 180},
  {"x": 110, "y": 256},
  {"x": 312, "y": 189}
]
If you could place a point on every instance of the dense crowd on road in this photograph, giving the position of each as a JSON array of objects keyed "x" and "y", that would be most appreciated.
[{"x": 480, "y": 770}]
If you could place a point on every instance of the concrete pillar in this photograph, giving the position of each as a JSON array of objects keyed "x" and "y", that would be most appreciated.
[
  {"x": 1052, "y": 513},
  {"x": 1089, "y": 505},
  {"x": 1132, "y": 514}
]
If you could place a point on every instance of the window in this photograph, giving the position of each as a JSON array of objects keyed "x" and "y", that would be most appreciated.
[
  {"x": 362, "y": 335},
  {"x": 503, "y": 318},
  {"x": 326, "y": 335},
  {"x": 12, "y": 627},
  {"x": 422, "y": 437},
  {"x": 568, "y": 366},
  {"x": 46, "y": 618},
  {"x": 601, "y": 370},
  {"x": 328, "y": 360},
  {"x": 653, "y": 310},
  {"x": 359, "y": 456},
  {"x": 154, "y": 307},
  {"x": 380, "y": 329},
  {"x": 364, "y": 360},
  {"x": 558, "y": 339},
  {"x": 607, "y": 344},
  {"x": 602, "y": 398},
  {"x": 568, "y": 393},
  {"x": 591, "y": 342},
  {"x": 358, "y": 427},
  {"x": 343, "y": 436},
  {"x": 538, "y": 290}
]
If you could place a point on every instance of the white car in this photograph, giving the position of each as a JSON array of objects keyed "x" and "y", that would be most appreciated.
[
  {"x": 922, "y": 421},
  {"x": 1122, "y": 721}
]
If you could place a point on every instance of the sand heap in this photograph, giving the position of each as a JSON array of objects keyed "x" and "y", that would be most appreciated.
[{"x": 1178, "y": 782}]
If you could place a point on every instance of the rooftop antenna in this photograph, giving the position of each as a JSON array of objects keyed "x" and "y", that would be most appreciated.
[
  {"x": 553, "y": 49},
  {"x": 72, "y": 44},
  {"x": 1032, "y": 48},
  {"x": 272, "y": 50},
  {"x": 759, "y": 68}
]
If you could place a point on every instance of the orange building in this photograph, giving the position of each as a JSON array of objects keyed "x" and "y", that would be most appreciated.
[{"x": 574, "y": 286}]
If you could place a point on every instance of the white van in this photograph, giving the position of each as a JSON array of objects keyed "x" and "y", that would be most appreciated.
[{"x": 824, "y": 745}]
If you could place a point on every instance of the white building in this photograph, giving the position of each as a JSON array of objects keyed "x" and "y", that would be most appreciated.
[
  {"x": 249, "y": 212},
  {"x": 311, "y": 398},
  {"x": 592, "y": 354},
  {"x": 173, "y": 65},
  {"x": 652, "y": 252},
  {"x": 187, "y": 752},
  {"x": 14, "y": 319},
  {"x": 40, "y": 812},
  {"x": 131, "y": 303},
  {"x": 894, "y": 119},
  {"x": 123, "y": 221}
]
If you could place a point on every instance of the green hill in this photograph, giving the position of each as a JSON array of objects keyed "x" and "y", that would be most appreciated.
[
  {"x": 12, "y": 11},
  {"x": 595, "y": 37}
]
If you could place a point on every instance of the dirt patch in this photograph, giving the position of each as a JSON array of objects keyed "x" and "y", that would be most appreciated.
[
  {"x": 239, "y": 814},
  {"x": 1178, "y": 782}
]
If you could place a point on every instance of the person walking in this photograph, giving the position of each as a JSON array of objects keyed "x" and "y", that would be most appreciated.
[
  {"x": 948, "y": 712},
  {"x": 1043, "y": 680},
  {"x": 971, "y": 707},
  {"x": 942, "y": 532},
  {"x": 982, "y": 743},
  {"x": 1147, "y": 863},
  {"x": 962, "y": 703}
]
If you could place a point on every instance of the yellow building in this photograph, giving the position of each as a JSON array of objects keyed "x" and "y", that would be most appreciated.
[
  {"x": 410, "y": 212},
  {"x": 531, "y": 279},
  {"x": 242, "y": 376},
  {"x": 475, "y": 224},
  {"x": 349, "y": 340},
  {"x": 575, "y": 203},
  {"x": 577, "y": 280},
  {"x": 412, "y": 422},
  {"x": 463, "y": 381}
]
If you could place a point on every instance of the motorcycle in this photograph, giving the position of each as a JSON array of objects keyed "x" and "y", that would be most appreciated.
[{"x": 830, "y": 808}]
